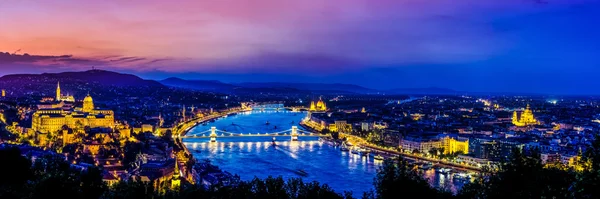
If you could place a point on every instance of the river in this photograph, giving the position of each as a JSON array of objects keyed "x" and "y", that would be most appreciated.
[{"x": 255, "y": 156}]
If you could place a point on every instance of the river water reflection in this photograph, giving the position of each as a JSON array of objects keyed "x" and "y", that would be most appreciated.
[{"x": 307, "y": 158}]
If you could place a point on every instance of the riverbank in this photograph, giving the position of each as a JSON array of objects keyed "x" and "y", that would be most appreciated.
[
  {"x": 363, "y": 143},
  {"x": 183, "y": 128}
]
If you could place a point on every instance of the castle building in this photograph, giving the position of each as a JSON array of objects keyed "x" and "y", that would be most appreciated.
[
  {"x": 60, "y": 97},
  {"x": 52, "y": 119},
  {"x": 320, "y": 106},
  {"x": 525, "y": 119}
]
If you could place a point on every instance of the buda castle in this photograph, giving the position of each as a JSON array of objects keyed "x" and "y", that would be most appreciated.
[{"x": 52, "y": 119}]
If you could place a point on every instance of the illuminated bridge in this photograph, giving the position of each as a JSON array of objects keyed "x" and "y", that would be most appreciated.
[
  {"x": 274, "y": 107},
  {"x": 213, "y": 133}
]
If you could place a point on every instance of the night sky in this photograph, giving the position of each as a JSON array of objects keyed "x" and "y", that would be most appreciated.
[{"x": 539, "y": 46}]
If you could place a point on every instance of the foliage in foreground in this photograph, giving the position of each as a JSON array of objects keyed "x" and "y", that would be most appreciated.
[{"x": 522, "y": 176}]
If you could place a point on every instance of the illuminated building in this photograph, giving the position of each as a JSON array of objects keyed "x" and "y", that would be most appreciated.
[
  {"x": 320, "y": 106},
  {"x": 176, "y": 182},
  {"x": 448, "y": 144},
  {"x": 452, "y": 145},
  {"x": 525, "y": 119},
  {"x": 52, "y": 120},
  {"x": 68, "y": 137},
  {"x": 60, "y": 97},
  {"x": 363, "y": 110},
  {"x": 3, "y": 93}
]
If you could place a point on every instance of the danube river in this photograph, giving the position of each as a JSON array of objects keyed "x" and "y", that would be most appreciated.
[{"x": 307, "y": 158}]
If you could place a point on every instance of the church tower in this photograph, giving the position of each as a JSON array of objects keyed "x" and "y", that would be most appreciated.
[
  {"x": 176, "y": 182},
  {"x": 58, "y": 91}
]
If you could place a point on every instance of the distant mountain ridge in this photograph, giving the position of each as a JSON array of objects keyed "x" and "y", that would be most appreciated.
[
  {"x": 309, "y": 86},
  {"x": 99, "y": 83},
  {"x": 100, "y": 77},
  {"x": 429, "y": 90},
  {"x": 215, "y": 85},
  {"x": 206, "y": 85}
]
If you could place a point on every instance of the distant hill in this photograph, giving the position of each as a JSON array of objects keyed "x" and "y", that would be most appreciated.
[
  {"x": 268, "y": 87},
  {"x": 100, "y": 83},
  {"x": 100, "y": 77},
  {"x": 203, "y": 85},
  {"x": 351, "y": 88},
  {"x": 283, "y": 87},
  {"x": 423, "y": 91}
]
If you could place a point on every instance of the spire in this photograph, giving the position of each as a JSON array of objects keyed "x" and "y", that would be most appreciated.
[
  {"x": 58, "y": 91},
  {"x": 176, "y": 174},
  {"x": 175, "y": 181}
]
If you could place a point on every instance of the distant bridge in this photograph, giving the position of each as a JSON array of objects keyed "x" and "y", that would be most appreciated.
[
  {"x": 275, "y": 106},
  {"x": 213, "y": 133}
]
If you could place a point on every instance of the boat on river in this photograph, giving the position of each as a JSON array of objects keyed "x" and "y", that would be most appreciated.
[
  {"x": 364, "y": 152},
  {"x": 378, "y": 157},
  {"x": 426, "y": 166},
  {"x": 273, "y": 144},
  {"x": 267, "y": 123},
  {"x": 344, "y": 147},
  {"x": 461, "y": 177},
  {"x": 443, "y": 170}
]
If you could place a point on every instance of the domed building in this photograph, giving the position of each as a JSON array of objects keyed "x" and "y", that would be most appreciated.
[
  {"x": 52, "y": 120},
  {"x": 525, "y": 119},
  {"x": 320, "y": 106},
  {"x": 88, "y": 104}
]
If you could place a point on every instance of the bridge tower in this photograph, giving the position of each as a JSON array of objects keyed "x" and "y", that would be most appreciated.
[
  {"x": 213, "y": 134},
  {"x": 294, "y": 133}
]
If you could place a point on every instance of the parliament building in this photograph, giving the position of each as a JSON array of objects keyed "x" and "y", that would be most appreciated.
[{"x": 54, "y": 118}]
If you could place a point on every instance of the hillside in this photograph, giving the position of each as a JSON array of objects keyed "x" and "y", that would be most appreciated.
[
  {"x": 351, "y": 88},
  {"x": 75, "y": 83},
  {"x": 423, "y": 91},
  {"x": 203, "y": 85}
]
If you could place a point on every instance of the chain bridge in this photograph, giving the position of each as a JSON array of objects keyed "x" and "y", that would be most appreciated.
[{"x": 213, "y": 133}]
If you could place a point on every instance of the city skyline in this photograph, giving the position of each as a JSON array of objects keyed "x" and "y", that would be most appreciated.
[{"x": 477, "y": 46}]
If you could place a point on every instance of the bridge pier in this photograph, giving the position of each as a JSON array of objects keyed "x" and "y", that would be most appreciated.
[
  {"x": 294, "y": 133},
  {"x": 213, "y": 134}
]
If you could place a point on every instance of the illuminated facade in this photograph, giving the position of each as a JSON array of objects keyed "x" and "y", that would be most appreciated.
[
  {"x": 525, "y": 119},
  {"x": 451, "y": 145},
  {"x": 53, "y": 120},
  {"x": 319, "y": 106},
  {"x": 448, "y": 144},
  {"x": 176, "y": 182},
  {"x": 60, "y": 97}
]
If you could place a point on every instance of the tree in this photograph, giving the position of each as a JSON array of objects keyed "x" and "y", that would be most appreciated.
[
  {"x": 92, "y": 185},
  {"x": 522, "y": 176},
  {"x": 397, "y": 178},
  {"x": 16, "y": 172},
  {"x": 588, "y": 180}
]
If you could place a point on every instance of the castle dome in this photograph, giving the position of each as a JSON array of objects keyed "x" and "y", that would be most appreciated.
[
  {"x": 88, "y": 98},
  {"x": 88, "y": 104}
]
